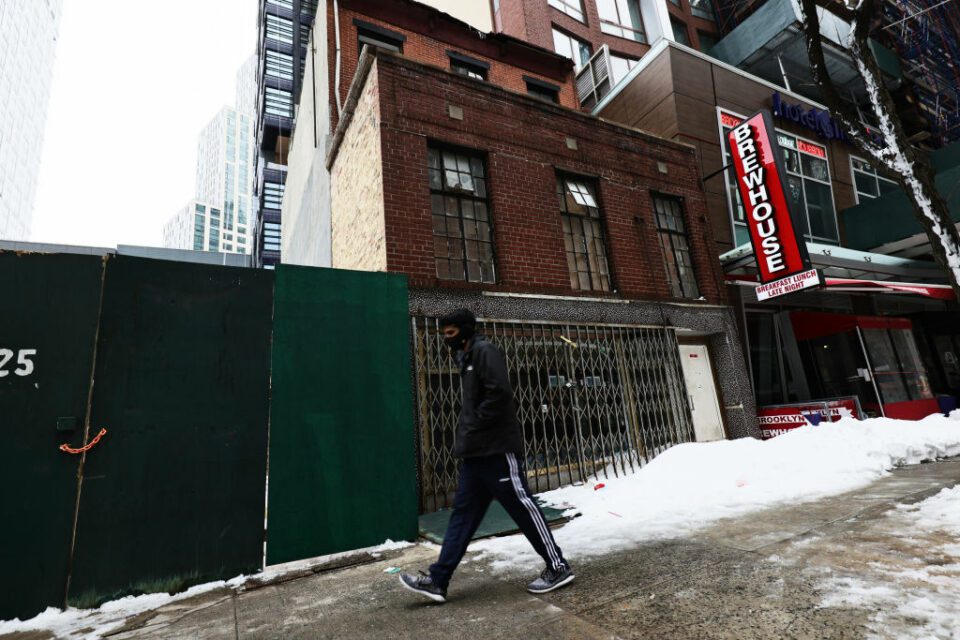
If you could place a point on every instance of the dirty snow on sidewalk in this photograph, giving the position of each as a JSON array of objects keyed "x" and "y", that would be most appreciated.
[
  {"x": 90, "y": 624},
  {"x": 692, "y": 485},
  {"x": 912, "y": 587},
  {"x": 94, "y": 623}
]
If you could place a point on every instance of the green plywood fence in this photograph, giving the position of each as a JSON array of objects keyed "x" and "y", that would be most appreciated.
[
  {"x": 175, "y": 493},
  {"x": 342, "y": 465},
  {"x": 48, "y": 306},
  {"x": 174, "y": 360}
]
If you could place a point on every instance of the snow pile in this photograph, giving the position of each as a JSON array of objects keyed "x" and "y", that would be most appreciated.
[
  {"x": 94, "y": 623},
  {"x": 692, "y": 485},
  {"x": 921, "y": 596}
]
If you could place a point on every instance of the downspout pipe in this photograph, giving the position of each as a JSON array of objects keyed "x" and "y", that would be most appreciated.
[{"x": 336, "y": 72}]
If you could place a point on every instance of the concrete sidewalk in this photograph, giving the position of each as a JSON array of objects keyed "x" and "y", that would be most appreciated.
[{"x": 759, "y": 576}]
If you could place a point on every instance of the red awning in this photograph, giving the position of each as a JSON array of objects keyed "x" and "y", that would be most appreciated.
[
  {"x": 938, "y": 291},
  {"x": 850, "y": 285},
  {"x": 815, "y": 324}
]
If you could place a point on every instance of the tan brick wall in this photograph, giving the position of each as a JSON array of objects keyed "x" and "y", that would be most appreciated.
[{"x": 358, "y": 231}]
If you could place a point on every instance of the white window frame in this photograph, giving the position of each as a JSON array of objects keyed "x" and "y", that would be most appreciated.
[
  {"x": 631, "y": 63},
  {"x": 695, "y": 9},
  {"x": 828, "y": 182},
  {"x": 574, "y": 40},
  {"x": 876, "y": 174},
  {"x": 620, "y": 29},
  {"x": 566, "y": 7},
  {"x": 726, "y": 175}
]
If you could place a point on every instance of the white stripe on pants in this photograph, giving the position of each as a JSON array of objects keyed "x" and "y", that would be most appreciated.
[{"x": 534, "y": 512}]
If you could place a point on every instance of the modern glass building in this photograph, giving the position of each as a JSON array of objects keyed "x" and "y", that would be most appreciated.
[
  {"x": 282, "y": 42},
  {"x": 28, "y": 39},
  {"x": 197, "y": 227},
  {"x": 246, "y": 98},
  {"x": 221, "y": 216},
  {"x": 225, "y": 161}
]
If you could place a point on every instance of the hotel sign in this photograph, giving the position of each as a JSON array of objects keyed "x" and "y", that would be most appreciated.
[
  {"x": 816, "y": 120},
  {"x": 783, "y": 263}
]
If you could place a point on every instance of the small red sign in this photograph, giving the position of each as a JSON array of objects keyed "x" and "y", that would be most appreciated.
[
  {"x": 777, "y": 420},
  {"x": 777, "y": 247},
  {"x": 812, "y": 149},
  {"x": 728, "y": 120}
]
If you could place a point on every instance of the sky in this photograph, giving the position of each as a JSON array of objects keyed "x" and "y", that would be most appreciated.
[{"x": 134, "y": 83}]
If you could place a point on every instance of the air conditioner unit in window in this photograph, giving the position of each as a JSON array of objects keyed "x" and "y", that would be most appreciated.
[{"x": 594, "y": 80}]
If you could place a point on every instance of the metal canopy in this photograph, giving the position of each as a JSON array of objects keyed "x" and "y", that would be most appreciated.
[
  {"x": 789, "y": 49},
  {"x": 916, "y": 245},
  {"x": 771, "y": 44},
  {"x": 841, "y": 262}
]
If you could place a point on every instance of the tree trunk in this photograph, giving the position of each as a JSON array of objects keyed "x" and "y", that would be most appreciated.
[{"x": 894, "y": 151}]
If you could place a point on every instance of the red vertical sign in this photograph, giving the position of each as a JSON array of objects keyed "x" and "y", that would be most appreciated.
[{"x": 781, "y": 254}]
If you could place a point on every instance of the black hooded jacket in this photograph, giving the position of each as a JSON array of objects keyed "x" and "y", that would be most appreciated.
[{"x": 488, "y": 418}]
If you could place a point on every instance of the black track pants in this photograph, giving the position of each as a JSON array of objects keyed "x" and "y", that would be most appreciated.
[{"x": 499, "y": 477}]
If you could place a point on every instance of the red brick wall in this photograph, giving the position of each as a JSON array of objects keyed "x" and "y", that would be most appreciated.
[
  {"x": 525, "y": 143},
  {"x": 538, "y": 19},
  {"x": 533, "y": 20},
  {"x": 432, "y": 50},
  {"x": 512, "y": 20},
  {"x": 693, "y": 24}
]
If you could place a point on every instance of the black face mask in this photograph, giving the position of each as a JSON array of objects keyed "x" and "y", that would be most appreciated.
[{"x": 457, "y": 342}]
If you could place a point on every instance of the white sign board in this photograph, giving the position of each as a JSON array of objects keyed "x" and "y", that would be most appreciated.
[{"x": 796, "y": 282}]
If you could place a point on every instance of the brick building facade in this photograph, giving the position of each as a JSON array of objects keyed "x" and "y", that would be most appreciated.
[
  {"x": 387, "y": 208},
  {"x": 525, "y": 145},
  {"x": 628, "y": 28},
  {"x": 422, "y": 33},
  {"x": 583, "y": 246}
]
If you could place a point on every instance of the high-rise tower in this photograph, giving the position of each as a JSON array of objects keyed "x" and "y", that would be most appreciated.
[{"x": 28, "y": 38}]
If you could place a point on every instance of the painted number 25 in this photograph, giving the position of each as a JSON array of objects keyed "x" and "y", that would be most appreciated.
[{"x": 24, "y": 362}]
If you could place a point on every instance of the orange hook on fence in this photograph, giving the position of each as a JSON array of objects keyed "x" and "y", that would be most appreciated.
[{"x": 68, "y": 449}]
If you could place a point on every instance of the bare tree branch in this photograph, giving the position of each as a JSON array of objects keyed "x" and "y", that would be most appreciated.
[
  {"x": 841, "y": 110},
  {"x": 894, "y": 151}
]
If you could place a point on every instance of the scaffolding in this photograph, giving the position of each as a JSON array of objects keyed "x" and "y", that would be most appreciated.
[
  {"x": 925, "y": 35},
  {"x": 730, "y": 13}
]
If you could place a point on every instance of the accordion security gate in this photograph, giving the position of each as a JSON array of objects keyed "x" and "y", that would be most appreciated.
[{"x": 592, "y": 399}]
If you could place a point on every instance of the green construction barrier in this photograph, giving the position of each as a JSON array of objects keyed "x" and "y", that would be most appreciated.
[
  {"x": 48, "y": 322},
  {"x": 342, "y": 460},
  {"x": 174, "y": 494}
]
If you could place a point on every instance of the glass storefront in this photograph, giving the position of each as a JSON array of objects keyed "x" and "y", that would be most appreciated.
[
  {"x": 765, "y": 358},
  {"x": 896, "y": 365},
  {"x": 873, "y": 358},
  {"x": 836, "y": 366}
]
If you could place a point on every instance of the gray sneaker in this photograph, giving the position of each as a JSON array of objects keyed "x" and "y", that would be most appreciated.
[
  {"x": 551, "y": 579},
  {"x": 424, "y": 585}
]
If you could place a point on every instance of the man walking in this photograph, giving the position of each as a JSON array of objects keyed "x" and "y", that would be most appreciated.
[{"x": 489, "y": 442}]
